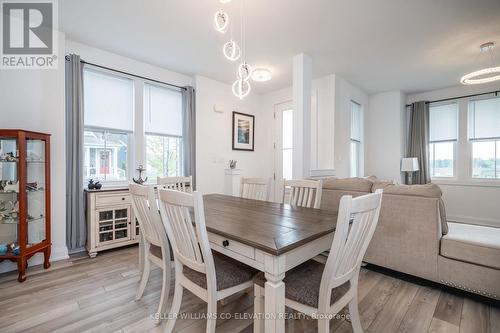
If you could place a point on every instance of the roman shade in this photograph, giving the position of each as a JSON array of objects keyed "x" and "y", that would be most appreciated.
[
  {"x": 484, "y": 119},
  {"x": 443, "y": 122},
  {"x": 108, "y": 100},
  {"x": 162, "y": 110}
]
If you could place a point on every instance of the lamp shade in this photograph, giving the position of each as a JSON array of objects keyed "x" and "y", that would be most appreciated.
[{"x": 409, "y": 164}]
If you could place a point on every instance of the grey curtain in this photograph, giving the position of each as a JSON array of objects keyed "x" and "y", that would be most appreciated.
[
  {"x": 189, "y": 132},
  {"x": 418, "y": 141},
  {"x": 76, "y": 231}
]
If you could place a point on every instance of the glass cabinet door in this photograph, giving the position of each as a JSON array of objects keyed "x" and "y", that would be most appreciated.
[
  {"x": 35, "y": 191},
  {"x": 9, "y": 196},
  {"x": 113, "y": 225}
]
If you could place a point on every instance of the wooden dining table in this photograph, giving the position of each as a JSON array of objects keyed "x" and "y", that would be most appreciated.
[{"x": 271, "y": 237}]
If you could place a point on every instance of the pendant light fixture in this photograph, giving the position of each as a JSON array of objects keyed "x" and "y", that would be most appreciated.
[
  {"x": 484, "y": 75},
  {"x": 244, "y": 71},
  {"x": 241, "y": 88},
  {"x": 221, "y": 21},
  {"x": 231, "y": 50}
]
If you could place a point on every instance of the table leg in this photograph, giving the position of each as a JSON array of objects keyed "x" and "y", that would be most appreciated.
[{"x": 274, "y": 303}]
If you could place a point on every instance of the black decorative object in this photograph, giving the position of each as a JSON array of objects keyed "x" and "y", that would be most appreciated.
[
  {"x": 91, "y": 184},
  {"x": 232, "y": 164},
  {"x": 140, "y": 181},
  {"x": 97, "y": 185}
]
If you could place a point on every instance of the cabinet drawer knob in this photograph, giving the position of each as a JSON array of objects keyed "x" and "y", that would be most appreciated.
[
  {"x": 123, "y": 198},
  {"x": 225, "y": 243}
]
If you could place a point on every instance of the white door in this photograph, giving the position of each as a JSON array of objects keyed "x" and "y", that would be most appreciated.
[{"x": 283, "y": 147}]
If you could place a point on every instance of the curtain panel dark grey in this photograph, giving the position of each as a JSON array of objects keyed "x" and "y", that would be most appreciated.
[
  {"x": 418, "y": 141},
  {"x": 189, "y": 132},
  {"x": 76, "y": 230}
]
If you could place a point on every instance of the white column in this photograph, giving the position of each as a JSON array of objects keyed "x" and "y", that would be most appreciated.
[
  {"x": 302, "y": 80},
  {"x": 232, "y": 180}
]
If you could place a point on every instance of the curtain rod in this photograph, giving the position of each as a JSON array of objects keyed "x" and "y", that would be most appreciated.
[
  {"x": 465, "y": 96},
  {"x": 129, "y": 74}
]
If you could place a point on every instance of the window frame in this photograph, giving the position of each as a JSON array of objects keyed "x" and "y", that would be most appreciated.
[
  {"x": 497, "y": 166},
  {"x": 163, "y": 136},
  {"x": 136, "y": 149},
  {"x": 463, "y": 155},
  {"x": 106, "y": 130},
  {"x": 455, "y": 142},
  {"x": 358, "y": 143}
]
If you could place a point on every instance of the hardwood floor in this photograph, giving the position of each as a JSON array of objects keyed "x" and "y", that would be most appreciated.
[{"x": 97, "y": 295}]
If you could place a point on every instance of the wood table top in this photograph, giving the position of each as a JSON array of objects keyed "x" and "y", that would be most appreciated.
[{"x": 271, "y": 227}]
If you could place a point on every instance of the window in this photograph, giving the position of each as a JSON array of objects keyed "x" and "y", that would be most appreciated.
[
  {"x": 163, "y": 124},
  {"x": 287, "y": 144},
  {"x": 109, "y": 123},
  {"x": 484, "y": 133},
  {"x": 356, "y": 138},
  {"x": 443, "y": 137}
]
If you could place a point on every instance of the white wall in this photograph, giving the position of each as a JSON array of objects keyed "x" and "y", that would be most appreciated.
[
  {"x": 466, "y": 200},
  {"x": 345, "y": 92},
  {"x": 34, "y": 100},
  {"x": 330, "y": 122},
  {"x": 384, "y": 135},
  {"x": 323, "y": 126},
  {"x": 214, "y": 135}
]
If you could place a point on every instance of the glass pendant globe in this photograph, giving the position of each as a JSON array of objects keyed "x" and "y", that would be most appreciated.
[
  {"x": 221, "y": 21},
  {"x": 244, "y": 71},
  {"x": 241, "y": 88},
  {"x": 231, "y": 50}
]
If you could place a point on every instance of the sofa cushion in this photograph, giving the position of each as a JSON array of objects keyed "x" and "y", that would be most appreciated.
[
  {"x": 475, "y": 244},
  {"x": 427, "y": 191},
  {"x": 348, "y": 184}
]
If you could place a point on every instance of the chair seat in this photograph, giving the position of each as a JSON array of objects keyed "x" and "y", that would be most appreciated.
[
  {"x": 155, "y": 250},
  {"x": 475, "y": 244},
  {"x": 228, "y": 272},
  {"x": 302, "y": 284}
]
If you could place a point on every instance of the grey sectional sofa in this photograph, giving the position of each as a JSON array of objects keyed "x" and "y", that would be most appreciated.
[{"x": 414, "y": 237}]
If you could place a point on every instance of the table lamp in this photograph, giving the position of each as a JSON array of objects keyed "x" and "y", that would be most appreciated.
[{"x": 409, "y": 165}]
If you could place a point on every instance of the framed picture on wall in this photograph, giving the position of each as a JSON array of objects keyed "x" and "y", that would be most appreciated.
[{"x": 243, "y": 131}]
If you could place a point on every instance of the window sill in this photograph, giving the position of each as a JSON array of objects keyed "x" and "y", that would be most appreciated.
[{"x": 470, "y": 182}]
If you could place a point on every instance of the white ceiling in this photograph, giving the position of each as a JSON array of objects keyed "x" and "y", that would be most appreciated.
[{"x": 379, "y": 45}]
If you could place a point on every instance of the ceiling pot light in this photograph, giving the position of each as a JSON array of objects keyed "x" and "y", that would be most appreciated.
[
  {"x": 484, "y": 75},
  {"x": 241, "y": 88},
  {"x": 231, "y": 50},
  {"x": 221, "y": 21},
  {"x": 244, "y": 71},
  {"x": 261, "y": 74}
]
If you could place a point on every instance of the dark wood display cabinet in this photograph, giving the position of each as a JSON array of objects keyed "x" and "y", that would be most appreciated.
[{"x": 24, "y": 197}]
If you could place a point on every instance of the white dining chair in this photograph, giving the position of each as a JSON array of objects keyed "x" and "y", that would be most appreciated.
[
  {"x": 302, "y": 193},
  {"x": 155, "y": 244},
  {"x": 322, "y": 290},
  {"x": 255, "y": 188},
  {"x": 207, "y": 275},
  {"x": 183, "y": 184}
]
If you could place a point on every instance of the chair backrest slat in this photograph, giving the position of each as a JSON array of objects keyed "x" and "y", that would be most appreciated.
[
  {"x": 356, "y": 223},
  {"x": 302, "y": 193},
  {"x": 146, "y": 211},
  {"x": 189, "y": 238},
  {"x": 255, "y": 188},
  {"x": 182, "y": 184}
]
